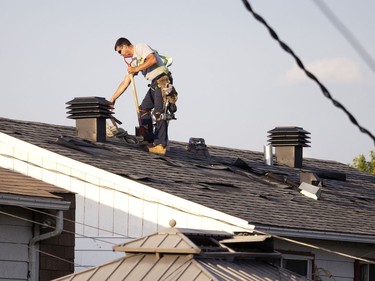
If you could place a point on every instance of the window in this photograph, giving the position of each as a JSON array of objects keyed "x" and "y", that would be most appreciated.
[
  {"x": 300, "y": 264},
  {"x": 366, "y": 272}
]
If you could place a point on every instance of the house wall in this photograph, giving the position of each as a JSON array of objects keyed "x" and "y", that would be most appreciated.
[
  {"x": 61, "y": 246},
  {"x": 110, "y": 209},
  {"x": 330, "y": 266},
  {"x": 15, "y": 235}
]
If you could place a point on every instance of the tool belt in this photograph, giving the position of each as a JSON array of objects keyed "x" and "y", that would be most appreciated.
[{"x": 168, "y": 91}]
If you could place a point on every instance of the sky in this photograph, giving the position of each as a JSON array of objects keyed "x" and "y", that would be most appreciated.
[{"x": 234, "y": 81}]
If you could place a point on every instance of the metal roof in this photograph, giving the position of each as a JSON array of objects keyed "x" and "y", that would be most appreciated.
[
  {"x": 168, "y": 241},
  {"x": 233, "y": 181},
  {"x": 160, "y": 257},
  {"x": 148, "y": 267}
]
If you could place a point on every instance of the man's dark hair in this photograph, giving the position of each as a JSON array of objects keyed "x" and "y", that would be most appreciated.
[{"x": 122, "y": 41}]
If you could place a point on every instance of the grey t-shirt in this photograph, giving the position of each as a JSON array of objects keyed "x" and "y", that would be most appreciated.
[{"x": 141, "y": 51}]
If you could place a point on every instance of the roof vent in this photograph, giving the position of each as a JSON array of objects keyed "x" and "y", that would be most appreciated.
[
  {"x": 311, "y": 185},
  {"x": 310, "y": 178},
  {"x": 90, "y": 114},
  {"x": 268, "y": 155},
  {"x": 198, "y": 146},
  {"x": 289, "y": 143},
  {"x": 310, "y": 190}
]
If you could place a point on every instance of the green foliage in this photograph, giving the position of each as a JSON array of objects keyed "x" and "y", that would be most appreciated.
[{"x": 362, "y": 164}]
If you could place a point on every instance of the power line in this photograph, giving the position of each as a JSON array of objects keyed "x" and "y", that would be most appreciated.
[
  {"x": 316, "y": 247},
  {"x": 324, "y": 90},
  {"x": 232, "y": 224},
  {"x": 80, "y": 223},
  {"x": 35, "y": 222},
  {"x": 349, "y": 36},
  {"x": 202, "y": 216},
  {"x": 64, "y": 230}
]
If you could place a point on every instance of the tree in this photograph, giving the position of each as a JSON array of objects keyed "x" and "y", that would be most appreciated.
[{"x": 362, "y": 164}]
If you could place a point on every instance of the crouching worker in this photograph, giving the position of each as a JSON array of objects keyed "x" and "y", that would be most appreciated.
[{"x": 158, "y": 106}]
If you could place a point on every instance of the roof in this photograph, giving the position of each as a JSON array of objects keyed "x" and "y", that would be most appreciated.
[
  {"x": 233, "y": 181},
  {"x": 16, "y": 183},
  {"x": 159, "y": 257},
  {"x": 21, "y": 190},
  {"x": 176, "y": 267},
  {"x": 160, "y": 242}
]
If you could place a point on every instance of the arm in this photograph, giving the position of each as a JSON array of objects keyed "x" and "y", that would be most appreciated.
[
  {"x": 149, "y": 61},
  {"x": 121, "y": 89}
]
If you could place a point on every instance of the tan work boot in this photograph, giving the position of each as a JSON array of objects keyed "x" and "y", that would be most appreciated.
[{"x": 157, "y": 149}]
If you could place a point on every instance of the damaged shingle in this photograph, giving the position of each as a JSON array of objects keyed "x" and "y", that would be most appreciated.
[{"x": 217, "y": 186}]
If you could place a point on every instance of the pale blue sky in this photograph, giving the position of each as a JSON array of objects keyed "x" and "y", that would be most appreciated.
[{"x": 234, "y": 81}]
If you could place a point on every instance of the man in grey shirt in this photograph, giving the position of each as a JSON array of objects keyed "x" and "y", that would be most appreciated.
[{"x": 151, "y": 65}]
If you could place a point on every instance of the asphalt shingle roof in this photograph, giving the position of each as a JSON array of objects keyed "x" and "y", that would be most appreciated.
[
  {"x": 234, "y": 181},
  {"x": 19, "y": 184}
]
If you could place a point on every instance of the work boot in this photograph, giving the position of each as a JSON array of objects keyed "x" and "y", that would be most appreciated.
[{"x": 157, "y": 149}]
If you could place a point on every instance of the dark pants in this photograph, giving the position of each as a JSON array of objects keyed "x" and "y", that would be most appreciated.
[{"x": 154, "y": 100}]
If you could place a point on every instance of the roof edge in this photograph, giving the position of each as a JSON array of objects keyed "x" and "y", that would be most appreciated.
[
  {"x": 320, "y": 235},
  {"x": 128, "y": 185}
]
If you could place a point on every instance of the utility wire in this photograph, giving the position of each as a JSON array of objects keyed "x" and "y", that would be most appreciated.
[
  {"x": 316, "y": 247},
  {"x": 232, "y": 224},
  {"x": 324, "y": 90},
  {"x": 64, "y": 230},
  {"x": 202, "y": 216},
  {"x": 349, "y": 36},
  {"x": 80, "y": 223},
  {"x": 35, "y": 222},
  {"x": 205, "y": 216}
]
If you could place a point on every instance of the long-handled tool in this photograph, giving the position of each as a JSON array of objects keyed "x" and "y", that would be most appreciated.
[
  {"x": 136, "y": 99},
  {"x": 141, "y": 131},
  {"x": 134, "y": 94}
]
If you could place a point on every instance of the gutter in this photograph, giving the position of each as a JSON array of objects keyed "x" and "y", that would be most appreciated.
[
  {"x": 33, "y": 201},
  {"x": 320, "y": 235},
  {"x": 33, "y": 261}
]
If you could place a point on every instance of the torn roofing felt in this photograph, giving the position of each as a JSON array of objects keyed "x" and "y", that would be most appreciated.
[{"x": 233, "y": 181}]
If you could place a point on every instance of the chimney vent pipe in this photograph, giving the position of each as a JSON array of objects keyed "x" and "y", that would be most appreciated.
[
  {"x": 268, "y": 155},
  {"x": 289, "y": 143},
  {"x": 90, "y": 114}
]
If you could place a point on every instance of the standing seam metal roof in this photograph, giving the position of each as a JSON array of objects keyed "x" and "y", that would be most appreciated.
[{"x": 169, "y": 263}]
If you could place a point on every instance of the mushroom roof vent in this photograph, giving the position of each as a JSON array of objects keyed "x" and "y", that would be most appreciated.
[
  {"x": 89, "y": 107},
  {"x": 288, "y": 136}
]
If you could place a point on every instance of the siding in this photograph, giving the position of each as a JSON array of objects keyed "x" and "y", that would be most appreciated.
[
  {"x": 14, "y": 238},
  {"x": 341, "y": 268}
]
